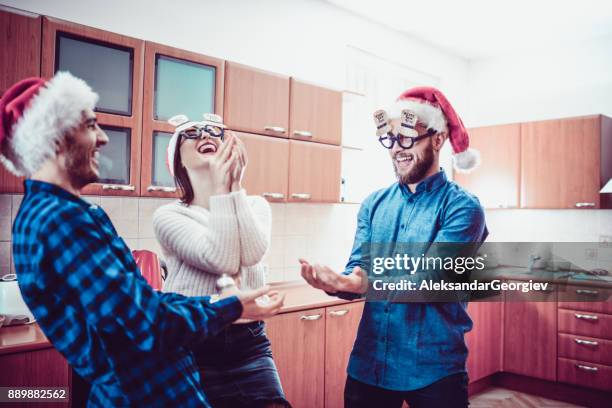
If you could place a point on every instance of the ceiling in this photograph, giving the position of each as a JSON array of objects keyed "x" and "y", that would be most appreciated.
[{"x": 476, "y": 29}]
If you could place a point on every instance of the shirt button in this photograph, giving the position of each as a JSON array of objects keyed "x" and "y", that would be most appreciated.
[{"x": 402, "y": 226}]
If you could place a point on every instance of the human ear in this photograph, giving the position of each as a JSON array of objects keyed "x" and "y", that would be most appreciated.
[{"x": 438, "y": 141}]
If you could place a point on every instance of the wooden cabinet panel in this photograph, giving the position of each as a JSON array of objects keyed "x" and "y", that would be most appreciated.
[
  {"x": 256, "y": 101},
  {"x": 585, "y": 323},
  {"x": 586, "y": 298},
  {"x": 530, "y": 336},
  {"x": 20, "y": 40},
  {"x": 267, "y": 170},
  {"x": 340, "y": 332},
  {"x": 314, "y": 172},
  {"x": 585, "y": 348},
  {"x": 41, "y": 368},
  {"x": 496, "y": 181},
  {"x": 586, "y": 374},
  {"x": 298, "y": 341},
  {"x": 560, "y": 163},
  {"x": 484, "y": 341},
  {"x": 174, "y": 59},
  {"x": 131, "y": 122},
  {"x": 315, "y": 113}
]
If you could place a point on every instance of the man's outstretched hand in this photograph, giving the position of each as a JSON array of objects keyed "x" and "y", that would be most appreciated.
[
  {"x": 257, "y": 304},
  {"x": 322, "y": 277}
]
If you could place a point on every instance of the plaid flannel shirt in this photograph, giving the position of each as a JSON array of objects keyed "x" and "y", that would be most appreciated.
[{"x": 80, "y": 281}]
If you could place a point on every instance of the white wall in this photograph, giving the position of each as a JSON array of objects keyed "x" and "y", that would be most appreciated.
[
  {"x": 304, "y": 38},
  {"x": 556, "y": 82}
]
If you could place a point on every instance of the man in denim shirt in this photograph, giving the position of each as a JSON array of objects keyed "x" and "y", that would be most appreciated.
[{"x": 413, "y": 352}]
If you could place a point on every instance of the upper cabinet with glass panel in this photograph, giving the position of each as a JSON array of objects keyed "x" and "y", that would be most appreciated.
[
  {"x": 183, "y": 87},
  {"x": 107, "y": 68},
  {"x": 112, "y": 65},
  {"x": 176, "y": 82}
]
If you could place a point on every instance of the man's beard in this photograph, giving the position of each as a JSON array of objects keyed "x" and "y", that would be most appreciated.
[
  {"x": 419, "y": 168},
  {"x": 78, "y": 164}
]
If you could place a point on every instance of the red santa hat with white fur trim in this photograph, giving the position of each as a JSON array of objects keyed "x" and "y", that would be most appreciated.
[
  {"x": 35, "y": 114},
  {"x": 435, "y": 111}
]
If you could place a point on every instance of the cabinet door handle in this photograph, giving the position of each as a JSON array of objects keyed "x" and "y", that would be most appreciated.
[
  {"x": 162, "y": 189},
  {"x": 586, "y": 342},
  {"x": 301, "y": 196},
  {"x": 310, "y": 317},
  {"x": 585, "y": 205},
  {"x": 120, "y": 187},
  {"x": 587, "y": 368},
  {"x": 585, "y": 316},
  {"x": 277, "y": 196},
  {"x": 338, "y": 313},
  {"x": 275, "y": 129},
  {"x": 302, "y": 133},
  {"x": 587, "y": 292}
]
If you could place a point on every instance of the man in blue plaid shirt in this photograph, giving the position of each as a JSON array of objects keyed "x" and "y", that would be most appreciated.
[{"x": 78, "y": 276}]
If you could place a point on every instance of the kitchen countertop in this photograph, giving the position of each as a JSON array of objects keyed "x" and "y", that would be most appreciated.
[
  {"x": 26, "y": 337},
  {"x": 543, "y": 275},
  {"x": 299, "y": 296}
]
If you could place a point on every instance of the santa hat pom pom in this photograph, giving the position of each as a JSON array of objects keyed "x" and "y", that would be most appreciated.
[{"x": 466, "y": 161}]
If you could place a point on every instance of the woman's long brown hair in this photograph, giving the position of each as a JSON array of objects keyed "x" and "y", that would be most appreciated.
[{"x": 181, "y": 177}]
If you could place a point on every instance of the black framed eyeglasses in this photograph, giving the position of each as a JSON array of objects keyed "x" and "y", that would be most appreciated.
[
  {"x": 198, "y": 132},
  {"x": 405, "y": 142}
]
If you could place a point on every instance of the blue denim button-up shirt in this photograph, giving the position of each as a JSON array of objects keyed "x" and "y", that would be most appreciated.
[{"x": 407, "y": 346}]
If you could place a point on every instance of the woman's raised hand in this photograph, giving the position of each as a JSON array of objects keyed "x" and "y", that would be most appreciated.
[
  {"x": 221, "y": 164},
  {"x": 239, "y": 165}
]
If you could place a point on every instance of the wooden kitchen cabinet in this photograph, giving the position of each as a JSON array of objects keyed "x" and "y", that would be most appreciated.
[
  {"x": 585, "y": 336},
  {"x": 496, "y": 181},
  {"x": 298, "y": 346},
  {"x": 256, "y": 101},
  {"x": 267, "y": 171},
  {"x": 314, "y": 172},
  {"x": 530, "y": 335},
  {"x": 484, "y": 341},
  {"x": 340, "y": 333},
  {"x": 39, "y": 368},
  {"x": 20, "y": 40},
  {"x": 175, "y": 82},
  {"x": 112, "y": 65},
  {"x": 315, "y": 113},
  {"x": 564, "y": 163}
]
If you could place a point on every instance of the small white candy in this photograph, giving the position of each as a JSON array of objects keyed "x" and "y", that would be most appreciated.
[{"x": 263, "y": 300}]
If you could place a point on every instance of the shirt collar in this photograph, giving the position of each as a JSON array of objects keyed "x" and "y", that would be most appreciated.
[
  {"x": 37, "y": 186},
  {"x": 429, "y": 184}
]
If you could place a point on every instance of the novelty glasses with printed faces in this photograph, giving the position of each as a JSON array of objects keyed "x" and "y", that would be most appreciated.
[
  {"x": 212, "y": 125},
  {"x": 407, "y": 135}
]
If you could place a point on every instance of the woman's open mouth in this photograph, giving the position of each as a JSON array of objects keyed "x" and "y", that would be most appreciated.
[{"x": 207, "y": 148}]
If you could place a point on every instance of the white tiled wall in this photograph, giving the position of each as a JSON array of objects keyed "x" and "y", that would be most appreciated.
[{"x": 323, "y": 233}]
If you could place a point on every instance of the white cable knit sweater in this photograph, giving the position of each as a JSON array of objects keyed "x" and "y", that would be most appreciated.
[{"x": 199, "y": 245}]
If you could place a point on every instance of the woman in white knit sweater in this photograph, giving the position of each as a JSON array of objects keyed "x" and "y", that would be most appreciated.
[{"x": 216, "y": 230}]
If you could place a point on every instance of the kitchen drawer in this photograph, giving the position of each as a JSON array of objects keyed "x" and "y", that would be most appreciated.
[
  {"x": 583, "y": 373},
  {"x": 585, "y": 323},
  {"x": 587, "y": 298},
  {"x": 585, "y": 348}
]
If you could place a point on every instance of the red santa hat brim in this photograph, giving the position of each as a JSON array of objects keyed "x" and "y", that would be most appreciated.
[{"x": 55, "y": 108}]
